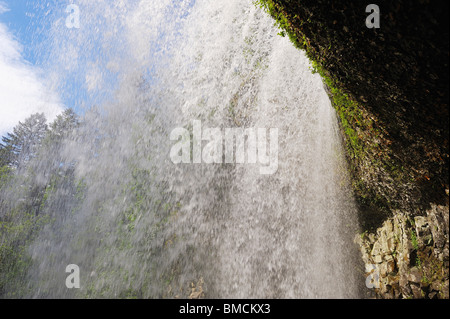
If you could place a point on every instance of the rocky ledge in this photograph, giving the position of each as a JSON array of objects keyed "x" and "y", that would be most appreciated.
[{"x": 409, "y": 257}]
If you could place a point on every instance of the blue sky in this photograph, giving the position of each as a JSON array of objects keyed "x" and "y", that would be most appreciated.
[
  {"x": 36, "y": 46},
  {"x": 23, "y": 88},
  {"x": 24, "y": 28},
  {"x": 22, "y": 20}
]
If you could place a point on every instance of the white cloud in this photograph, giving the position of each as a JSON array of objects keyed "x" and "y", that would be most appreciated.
[
  {"x": 3, "y": 7},
  {"x": 22, "y": 89}
]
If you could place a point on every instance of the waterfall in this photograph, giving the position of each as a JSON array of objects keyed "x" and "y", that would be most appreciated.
[{"x": 140, "y": 226}]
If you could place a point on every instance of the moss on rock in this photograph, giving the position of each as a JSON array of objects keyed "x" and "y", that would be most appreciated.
[{"x": 389, "y": 87}]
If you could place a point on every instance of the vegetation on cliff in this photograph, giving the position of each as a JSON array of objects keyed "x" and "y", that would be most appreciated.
[{"x": 389, "y": 86}]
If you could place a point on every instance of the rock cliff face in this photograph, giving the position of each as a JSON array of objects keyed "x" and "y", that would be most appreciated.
[
  {"x": 389, "y": 86},
  {"x": 409, "y": 257}
]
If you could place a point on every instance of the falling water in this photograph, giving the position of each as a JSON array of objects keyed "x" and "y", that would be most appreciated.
[{"x": 138, "y": 225}]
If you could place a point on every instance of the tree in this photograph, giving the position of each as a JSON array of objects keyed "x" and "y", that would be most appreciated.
[
  {"x": 64, "y": 124},
  {"x": 5, "y": 155},
  {"x": 22, "y": 145}
]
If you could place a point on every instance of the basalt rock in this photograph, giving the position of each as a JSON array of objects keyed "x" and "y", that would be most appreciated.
[{"x": 410, "y": 260}]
